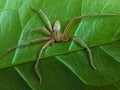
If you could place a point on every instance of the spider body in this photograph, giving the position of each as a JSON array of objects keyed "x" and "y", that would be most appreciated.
[{"x": 54, "y": 35}]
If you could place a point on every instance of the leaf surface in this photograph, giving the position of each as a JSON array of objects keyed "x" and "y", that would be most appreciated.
[{"x": 66, "y": 63}]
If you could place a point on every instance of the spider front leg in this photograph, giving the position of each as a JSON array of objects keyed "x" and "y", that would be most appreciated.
[
  {"x": 38, "y": 59},
  {"x": 44, "y": 17},
  {"x": 39, "y": 29},
  {"x": 85, "y": 16}
]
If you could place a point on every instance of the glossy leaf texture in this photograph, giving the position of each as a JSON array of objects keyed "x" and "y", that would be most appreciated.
[{"x": 64, "y": 65}]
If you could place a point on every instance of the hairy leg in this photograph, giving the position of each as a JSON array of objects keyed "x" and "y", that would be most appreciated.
[
  {"x": 83, "y": 44},
  {"x": 38, "y": 29},
  {"x": 38, "y": 59},
  {"x": 44, "y": 17},
  {"x": 85, "y": 16},
  {"x": 23, "y": 45}
]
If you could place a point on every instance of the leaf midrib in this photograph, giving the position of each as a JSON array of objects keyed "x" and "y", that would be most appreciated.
[{"x": 21, "y": 63}]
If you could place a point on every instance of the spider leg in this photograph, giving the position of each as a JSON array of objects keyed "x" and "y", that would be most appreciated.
[
  {"x": 38, "y": 59},
  {"x": 85, "y": 16},
  {"x": 23, "y": 45},
  {"x": 44, "y": 17},
  {"x": 83, "y": 44},
  {"x": 39, "y": 29}
]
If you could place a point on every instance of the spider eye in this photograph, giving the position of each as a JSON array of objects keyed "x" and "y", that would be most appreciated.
[{"x": 56, "y": 26}]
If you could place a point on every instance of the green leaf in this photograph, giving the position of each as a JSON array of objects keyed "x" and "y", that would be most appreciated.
[{"x": 64, "y": 65}]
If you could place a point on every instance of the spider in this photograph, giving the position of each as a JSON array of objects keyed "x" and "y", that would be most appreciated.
[{"x": 54, "y": 35}]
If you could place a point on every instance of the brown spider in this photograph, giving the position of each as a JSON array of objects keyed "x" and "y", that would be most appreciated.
[{"x": 55, "y": 35}]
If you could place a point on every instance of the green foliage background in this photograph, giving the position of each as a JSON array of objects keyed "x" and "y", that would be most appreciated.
[{"x": 65, "y": 65}]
